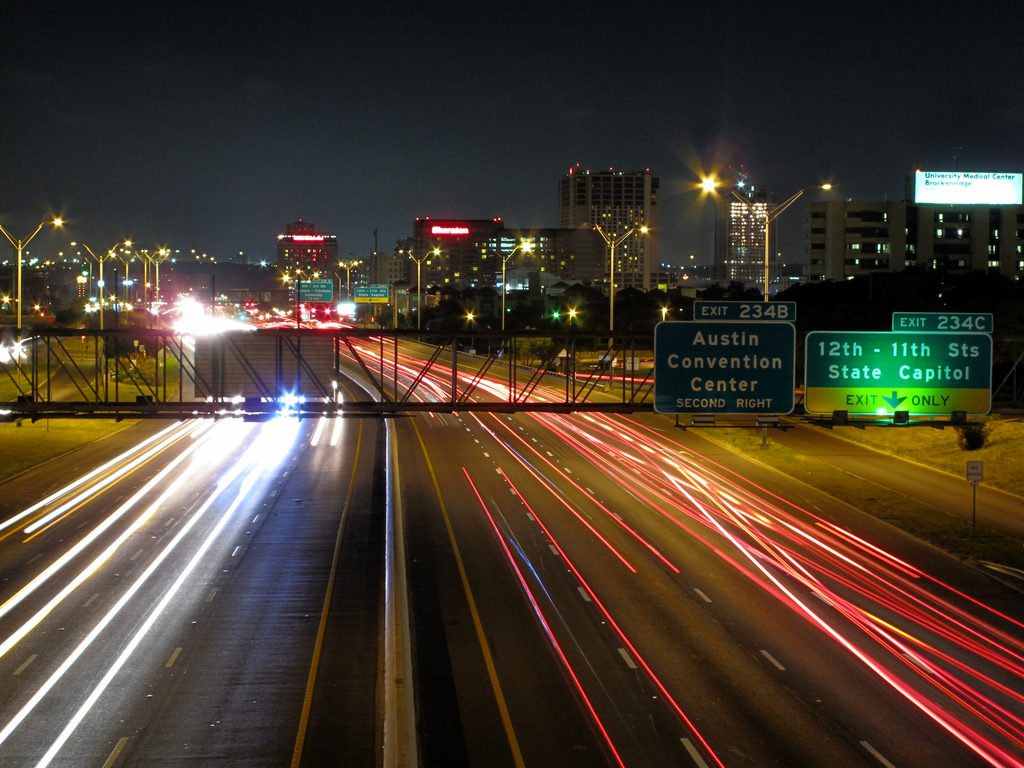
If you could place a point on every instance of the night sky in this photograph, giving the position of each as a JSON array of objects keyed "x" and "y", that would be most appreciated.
[{"x": 213, "y": 127}]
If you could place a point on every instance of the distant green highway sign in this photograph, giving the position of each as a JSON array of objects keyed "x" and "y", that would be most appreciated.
[
  {"x": 879, "y": 373},
  {"x": 316, "y": 291},
  {"x": 377, "y": 293},
  {"x": 724, "y": 367},
  {"x": 744, "y": 310},
  {"x": 945, "y": 322}
]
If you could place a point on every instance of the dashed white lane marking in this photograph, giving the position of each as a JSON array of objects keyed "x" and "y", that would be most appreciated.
[
  {"x": 135, "y": 557},
  {"x": 213, "y": 594},
  {"x": 554, "y": 549},
  {"x": 116, "y": 752},
  {"x": 701, "y": 595},
  {"x": 774, "y": 661},
  {"x": 627, "y": 658},
  {"x": 25, "y": 664},
  {"x": 877, "y": 755},
  {"x": 174, "y": 657},
  {"x": 584, "y": 594},
  {"x": 91, "y": 600},
  {"x": 236, "y": 551},
  {"x": 694, "y": 754}
]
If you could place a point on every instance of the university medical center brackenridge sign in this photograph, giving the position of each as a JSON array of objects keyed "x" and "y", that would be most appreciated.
[{"x": 724, "y": 367}]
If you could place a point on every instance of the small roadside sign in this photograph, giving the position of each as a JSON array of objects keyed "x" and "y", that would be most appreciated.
[{"x": 975, "y": 471}]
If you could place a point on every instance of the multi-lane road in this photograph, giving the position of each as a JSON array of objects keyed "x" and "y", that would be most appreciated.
[
  {"x": 171, "y": 603},
  {"x": 582, "y": 590}
]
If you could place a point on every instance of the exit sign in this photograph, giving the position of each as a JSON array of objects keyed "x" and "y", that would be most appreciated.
[
  {"x": 879, "y": 373},
  {"x": 725, "y": 368},
  {"x": 784, "y": 311},
  {"x": 944, "y": 322},
  {"x": 316, "y": 291}
]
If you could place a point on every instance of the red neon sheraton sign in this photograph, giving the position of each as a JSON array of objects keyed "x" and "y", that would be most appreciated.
[{"x": 449, "y": 229}]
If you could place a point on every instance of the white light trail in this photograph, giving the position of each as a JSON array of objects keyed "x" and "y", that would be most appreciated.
[
  {"x": 89, "y": 475},
  {"x": 263, "y": 453}
]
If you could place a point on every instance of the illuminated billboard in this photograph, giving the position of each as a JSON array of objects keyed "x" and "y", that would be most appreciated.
[{"x": 967, "y": 188}]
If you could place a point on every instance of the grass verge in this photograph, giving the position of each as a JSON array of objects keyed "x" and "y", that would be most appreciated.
[
  {"x": 952, "y": 535},
  {"x": 27, "y": 445}
]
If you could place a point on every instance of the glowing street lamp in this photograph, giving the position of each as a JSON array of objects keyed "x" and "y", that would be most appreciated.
[
  {"x": 348, "y": 267},
  {"x": 19, "y": 246},
  {"x": 111, "y": 253},
  {"x": 155, "y": 258},
  {"x": 710, "y": 184},
  {"x": 419, "y": 288},
  {"x": 526, "y": 246},
  {"x": 614, "y": 241}
]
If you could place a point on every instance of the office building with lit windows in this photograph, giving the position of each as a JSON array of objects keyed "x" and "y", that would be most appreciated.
[
  {"x": 618, "y": 201},
  {"x": 951, "y": 221},
  {"x": 303, "y": 247},
  {"x": 470, "y": 252},
  {"x": 740, "y": 233}
]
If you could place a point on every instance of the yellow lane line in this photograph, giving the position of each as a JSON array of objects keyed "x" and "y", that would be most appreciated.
[{"x": 492, "y": 672}]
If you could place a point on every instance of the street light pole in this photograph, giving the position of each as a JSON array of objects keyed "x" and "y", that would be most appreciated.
[
  {"x": 419, "y": 287},
  {"x": 348, "y": 266},
  {"x": 19, "y": 245},
  {"x": 613, "y": 242},
  {"x": 111, "y": 253},
  {"x": 526, "y": 246},
  {"x": 769, "y": 217}
]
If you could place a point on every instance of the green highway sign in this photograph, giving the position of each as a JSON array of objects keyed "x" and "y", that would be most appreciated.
[
  {"x": 317, "y": 291},
  {"x": 724, "y": 367},
  {"x": 946, "y": 322},
  {"x": 744, "y": 310},
  {"x": 378, "y": 293},
  {"x": 878, "y": 373}
]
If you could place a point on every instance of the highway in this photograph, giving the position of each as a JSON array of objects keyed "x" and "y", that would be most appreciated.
[
  {"x": 698, "y": 608},
  {"x": 173, "y": 603},
  {"x": 584, "y": 589}
]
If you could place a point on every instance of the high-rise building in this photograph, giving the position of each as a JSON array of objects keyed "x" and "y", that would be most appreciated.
[
  {"x": 303, "y": 247},
  {"x": 468, "y": 251},
  {"x": 618, "y": 201},
  {"x": 740, "y": 232}
]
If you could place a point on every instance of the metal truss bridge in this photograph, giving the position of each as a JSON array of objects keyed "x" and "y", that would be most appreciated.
[{"x": 256, "y": 374}]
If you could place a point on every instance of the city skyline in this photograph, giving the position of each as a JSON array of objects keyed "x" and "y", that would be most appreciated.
[{"x": 214, "y": 130}]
